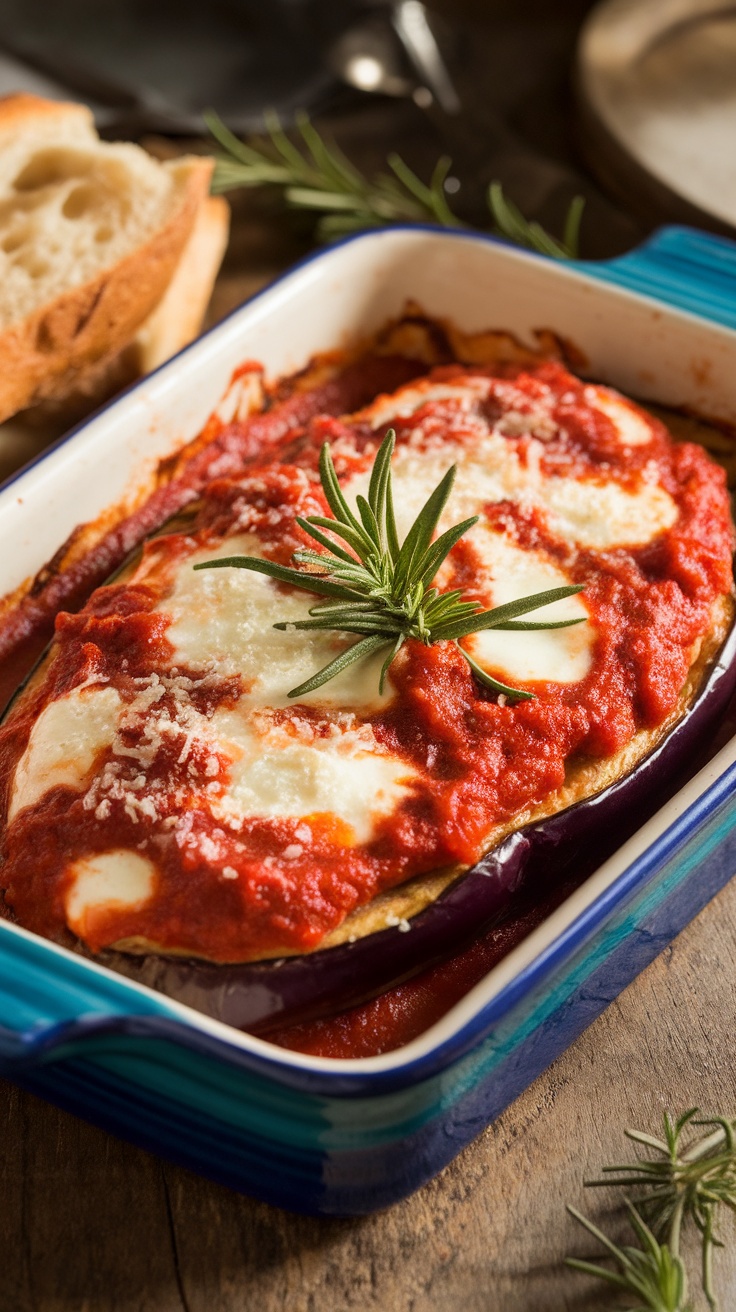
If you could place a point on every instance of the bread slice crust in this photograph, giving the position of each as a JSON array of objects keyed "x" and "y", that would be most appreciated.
[
  {"x": 41, "y": 353},
  {"x": 173, "y": 323}
]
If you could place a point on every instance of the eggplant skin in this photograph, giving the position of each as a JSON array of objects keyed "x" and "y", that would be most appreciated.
[{"x": 266, "y": 995}]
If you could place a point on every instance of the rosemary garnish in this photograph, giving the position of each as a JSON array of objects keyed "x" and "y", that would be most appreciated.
[
  {"x": 381, "y": 589},
  {"x": 651, "y": 1272},
  {"x": 675, "y": 1186},
  {"x": 315, "y": 176},
  {"x": 510, "y": 223}
]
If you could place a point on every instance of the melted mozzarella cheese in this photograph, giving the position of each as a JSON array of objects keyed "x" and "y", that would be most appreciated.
[
  {"x": 67, "y": 736},
  {"x": 410, "y": 399},
  {"x": 632, "y": 428},
  {"x": 582, "y": 512},
  {"x": 226, "y": 616},
  {"x": 557, "y": 655},
  {"x": 222, "y": 620},
  {"x": 605, "y": 515},
  {"x": 344, "y": 774},
  {"x": 116, "y": 880}
]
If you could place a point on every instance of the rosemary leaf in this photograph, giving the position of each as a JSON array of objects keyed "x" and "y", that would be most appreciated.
[
  {"x": 494, "y": 619},
  {"x": 683, "y": 1184},
  {"x": 354, "y": 535},
  {"x": 357, "y": 652},
  {"x": 349, "y": 622},
  {"x": 510, "y": 223},
  {"x": 333, "y": 492},
  {"x": 417, "y": 540},
  {"x": 318, "y": 178},
  {"x": 652, "y": 1273},
  {"x": 523, "y": 626},
  {"x": 370, "y": 521},
  {"x": 495, "y": 684},
  {"x": 282, "y": 573},
  {"x": 387, "y": 663},
  {"x": 571, "y": 231},
  {"x": 311, "y": 527},
  {"x": 436, "y": 554}
]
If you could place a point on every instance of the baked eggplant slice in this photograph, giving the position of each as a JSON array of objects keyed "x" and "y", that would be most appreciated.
[{"x": 170, "y": 808}]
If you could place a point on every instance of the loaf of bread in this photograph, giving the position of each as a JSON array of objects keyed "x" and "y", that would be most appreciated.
[{"x": 93, "y": 237}]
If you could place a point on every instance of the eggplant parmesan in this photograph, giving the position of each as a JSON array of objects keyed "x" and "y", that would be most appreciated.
[{"x": 163, "y": 796}]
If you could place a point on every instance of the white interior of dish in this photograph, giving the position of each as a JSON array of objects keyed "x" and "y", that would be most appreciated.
[{"x": 629, "y": 341}]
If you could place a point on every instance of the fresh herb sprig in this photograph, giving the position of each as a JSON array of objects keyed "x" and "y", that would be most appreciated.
[
  {"x": 318, "y": 177},
  {"x": 675, "y": 1186},
  {"x": 652, "y": 1272},
  {"x": 510, "y": 223},
  {"x": 381, "y": 589}
]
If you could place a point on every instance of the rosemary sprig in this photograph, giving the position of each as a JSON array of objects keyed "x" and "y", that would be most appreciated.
[
  {"x": 381, "y": 589},
  {"x": 652, "y": 1273},
  {"x": 675, "y": 1184},
  {"x": 313, "y": 175},
  {"x": 510, "y": 223},
  {"x": 675, "y": 1187}
]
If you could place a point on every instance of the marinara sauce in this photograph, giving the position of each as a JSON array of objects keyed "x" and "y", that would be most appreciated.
[{"x": 476, "y": 760}]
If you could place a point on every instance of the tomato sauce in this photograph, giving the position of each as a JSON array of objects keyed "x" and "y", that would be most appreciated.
[{"x": 477, "y": 760}]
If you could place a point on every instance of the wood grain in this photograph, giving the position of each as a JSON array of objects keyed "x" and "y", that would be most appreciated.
[{"x": 88, "y": 1224}]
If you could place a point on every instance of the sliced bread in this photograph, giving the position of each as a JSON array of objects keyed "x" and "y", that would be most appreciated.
[
  {"x": 174, "y": 322},
  {"x": 177, "y": 319},
  {"x": 90, "y": 236}
]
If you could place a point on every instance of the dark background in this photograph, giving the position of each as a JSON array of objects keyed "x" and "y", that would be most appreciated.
[{"x": 154, "y": 66}]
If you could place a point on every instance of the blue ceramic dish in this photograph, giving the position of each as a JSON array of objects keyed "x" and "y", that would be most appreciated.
[{"x": 348, "y": 1137}]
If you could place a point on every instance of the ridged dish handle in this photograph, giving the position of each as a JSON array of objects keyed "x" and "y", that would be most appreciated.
[
  {"x": 680, "y": 266},
  {"x": 51, "y": 1002},
  {"x": 52, "y": 1041}
]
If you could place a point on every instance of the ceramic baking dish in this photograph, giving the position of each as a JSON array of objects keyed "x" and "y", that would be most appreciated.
[{"x": 346, "y": 1137}]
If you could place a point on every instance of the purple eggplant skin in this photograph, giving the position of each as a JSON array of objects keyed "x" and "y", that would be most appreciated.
[{"x": 264, "y": 996}]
